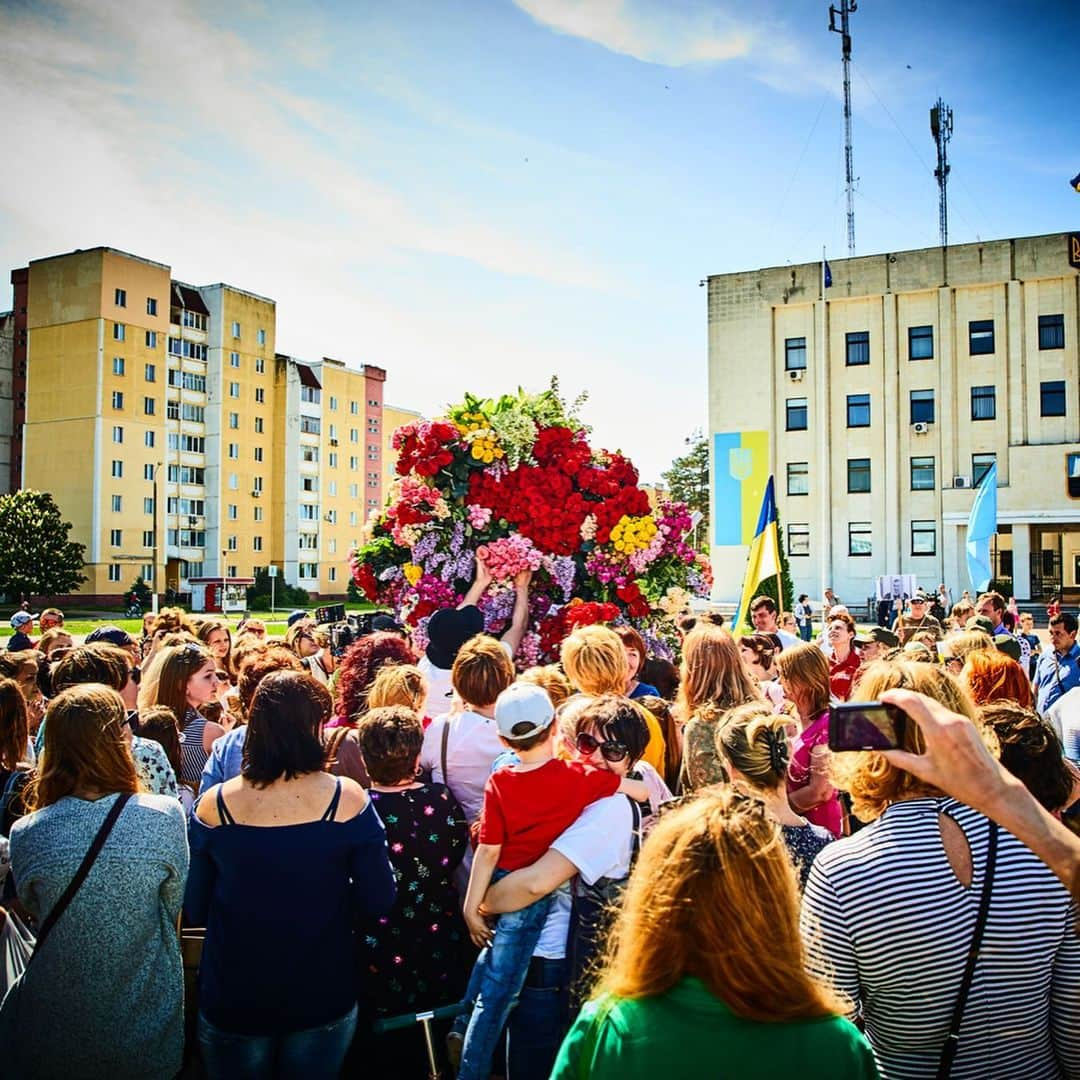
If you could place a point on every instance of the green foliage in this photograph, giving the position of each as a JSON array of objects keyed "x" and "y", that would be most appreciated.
[
  {"x": 36, "y": 556},
  {"x": 285, "y": 596},
  {"x": 768, "y": 587},
  {"x": 140, "y": 592},
  {"x": 688, "y": 482}
]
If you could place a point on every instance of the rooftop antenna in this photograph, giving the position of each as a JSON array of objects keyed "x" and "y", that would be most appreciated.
[
  {"x": 941, "y": 127},
  {"x": 844, "y": 10}
]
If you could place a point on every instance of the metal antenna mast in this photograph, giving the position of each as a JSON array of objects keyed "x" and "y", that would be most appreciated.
[
  {"x": 844, "y": 10},
  {"x": 941, "y": 127}
]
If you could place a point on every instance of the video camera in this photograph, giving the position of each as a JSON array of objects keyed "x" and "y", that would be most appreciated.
[{"x": 345, "y": 628}]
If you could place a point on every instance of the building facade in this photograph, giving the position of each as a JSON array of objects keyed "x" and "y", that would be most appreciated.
[
  {"x": 879, "y": 403},
  {"x": 175, "y": 438}
]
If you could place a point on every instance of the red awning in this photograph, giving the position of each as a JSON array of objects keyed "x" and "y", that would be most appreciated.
[{"x": 308, "y": 377}]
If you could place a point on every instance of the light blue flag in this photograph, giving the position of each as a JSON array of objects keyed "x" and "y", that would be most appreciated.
[{"x": 982, "y": 525}]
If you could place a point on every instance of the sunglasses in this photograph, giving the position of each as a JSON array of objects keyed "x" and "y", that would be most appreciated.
[{"x": 611, "y": 750}]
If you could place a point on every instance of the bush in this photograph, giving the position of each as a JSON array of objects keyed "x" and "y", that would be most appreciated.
[{"x": 285, "y": 596}]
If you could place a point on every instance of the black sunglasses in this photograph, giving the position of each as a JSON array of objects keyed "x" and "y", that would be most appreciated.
[{"x": 611, "y": 750}]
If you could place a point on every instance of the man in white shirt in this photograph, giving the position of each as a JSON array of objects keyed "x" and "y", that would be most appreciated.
[{"x": 763, "y": 616}]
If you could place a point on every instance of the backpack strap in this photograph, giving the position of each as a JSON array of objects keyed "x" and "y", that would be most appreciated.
[{"x": 445, "y": 744}]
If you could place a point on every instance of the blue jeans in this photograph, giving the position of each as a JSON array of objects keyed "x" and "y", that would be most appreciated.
[
  {"x": 314, "y": 1052},
  {"x": 806, "y": 630},
  {"x": 495, "y": 983},
  {"x": 539, "y": 1022}
]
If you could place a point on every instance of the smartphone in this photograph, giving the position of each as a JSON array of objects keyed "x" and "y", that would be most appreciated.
[{"x": 865, "y": 725}]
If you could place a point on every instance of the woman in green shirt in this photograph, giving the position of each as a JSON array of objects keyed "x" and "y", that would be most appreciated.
[{"x": 704, "y": 974}]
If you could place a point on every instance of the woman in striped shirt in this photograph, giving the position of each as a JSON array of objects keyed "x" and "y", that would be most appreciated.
[{"x": 890, "y": 914}]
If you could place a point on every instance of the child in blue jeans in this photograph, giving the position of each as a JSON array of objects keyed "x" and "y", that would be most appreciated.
[{"x": 526, "y": 807}]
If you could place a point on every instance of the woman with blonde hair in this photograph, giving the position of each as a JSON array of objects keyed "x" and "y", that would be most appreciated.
[
  {"x": 595, "y": 662},
  {"x": 678, "y": 988},
  {"x": 551, "y": 679},
  {"x": 957, "y": 647},
  {"x": 804, "y": 675},
  {"x": 971, "y": 967},
  {"x": 113, "y": 951},
  {"x": 754, "y": 744},
  {"x": 714, "y": 679},
  {"x": 401, "y": 684}
]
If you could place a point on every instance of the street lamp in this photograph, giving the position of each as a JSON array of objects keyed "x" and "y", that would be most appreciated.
[{"x": 154, "y": 591}]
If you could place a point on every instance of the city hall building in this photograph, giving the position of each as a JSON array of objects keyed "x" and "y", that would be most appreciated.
[{"x": 880, "y": 401}]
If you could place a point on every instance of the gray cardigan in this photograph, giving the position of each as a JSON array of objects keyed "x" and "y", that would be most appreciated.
[{"x": 105, "y": 997}]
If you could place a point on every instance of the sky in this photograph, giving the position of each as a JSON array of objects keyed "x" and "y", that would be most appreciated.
[{"x": 479, "y": 194}]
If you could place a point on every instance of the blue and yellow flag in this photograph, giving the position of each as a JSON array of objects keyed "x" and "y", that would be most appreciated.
[
  {"x": 982, "y": 524},
  {"x": 1074, "y": 183},
  {"x": 763, "y": 561}
]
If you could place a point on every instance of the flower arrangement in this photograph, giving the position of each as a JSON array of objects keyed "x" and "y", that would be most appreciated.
[{"x": 513, "y": 481}]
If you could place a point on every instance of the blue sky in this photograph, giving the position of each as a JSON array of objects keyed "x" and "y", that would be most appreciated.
[{"x": 479, "y": 194}]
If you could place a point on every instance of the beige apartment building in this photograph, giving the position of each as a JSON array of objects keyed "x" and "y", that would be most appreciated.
[
  {"x": 879, "y": 403},
  {"x": 175, "y": 439}
]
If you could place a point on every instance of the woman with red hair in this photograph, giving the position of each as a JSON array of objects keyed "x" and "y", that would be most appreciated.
[{"x": 990, "y": 675}]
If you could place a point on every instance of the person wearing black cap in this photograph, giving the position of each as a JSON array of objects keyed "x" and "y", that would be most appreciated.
[
  {"x": 449, "y": 628},
  {"x": 919, "y": 621},
  {"x": 875, "y": 643}
]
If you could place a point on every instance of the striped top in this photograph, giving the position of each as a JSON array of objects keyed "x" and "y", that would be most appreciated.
[
  {"x": 886, "y": 918},
  {"x": 192, "y": 755}
]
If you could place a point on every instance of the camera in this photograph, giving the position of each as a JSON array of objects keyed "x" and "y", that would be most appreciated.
[{"x": 345, "y": 629}]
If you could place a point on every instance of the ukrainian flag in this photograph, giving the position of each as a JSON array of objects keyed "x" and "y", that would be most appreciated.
[
  {"x": 982, "y": 525},
  {"x": 763, "y": 561},
  {"x": 740, "y": 473},
  {"x": 1074, "y": 183}
]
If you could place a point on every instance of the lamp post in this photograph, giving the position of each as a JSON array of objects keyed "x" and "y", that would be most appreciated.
[{"x": 154, "y": 591}]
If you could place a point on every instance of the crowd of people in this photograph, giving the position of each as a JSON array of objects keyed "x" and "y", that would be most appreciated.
[{"x": 613, "y": 865}]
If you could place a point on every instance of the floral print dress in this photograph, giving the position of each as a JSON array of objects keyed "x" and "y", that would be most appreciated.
[{"x": 417, "y": 956}]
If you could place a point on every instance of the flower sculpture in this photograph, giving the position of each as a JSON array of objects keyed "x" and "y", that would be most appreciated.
[{"x": 515, "y": 483}]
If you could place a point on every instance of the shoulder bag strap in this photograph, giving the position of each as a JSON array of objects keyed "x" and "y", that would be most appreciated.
[
  {"x": 445, "y": 743},
  {"x": 80, "y": 875},
  {"x": 952, "y": 1043}
]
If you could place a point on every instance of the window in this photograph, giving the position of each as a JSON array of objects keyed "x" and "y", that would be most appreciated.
[
  {"x": 118, "y": 365},
  {"x": 234, "y": 482},
  {"x": 192, "y": 319},
  {"x": 114, "y": 571},
  {"x": 858, "y": 348},
  {"x": 260, "y": 365},
  {"x": 185, "y": 506},
  {"x": 795, "y": 354},
  {"x": 796, "y": 414},
  {"x": 333, "y": 403},
  {"x": 331, "y": 574},
  {"x": 148, "y": 538},
  {"x": 234, "y": 359},
  {"x": 354, "y": 408},
  {"x": 311, "y": 454},
  {"x": 309, "y": 483},
  {"x": 116, "y": 538},
  {"x": 191, "y": 569},
  {"x": 151, "y": 306},
  {"x": 311, "y": 425},
  {"x": 148, "y": 439},
  {"x": 798, "y": 540},
  {"x": 120, "y": 297},
  {"x": 234, "y": 511},
  {"x": 117, "y": 503},
  {"x": 234, "y": 421},
  {"x": 117, "y": 469},
  {"x": 192, "y": 350},
  {"x": 148, "y": 472},
  {"x": 309, "y": 512},
  {"x": 118, "y": 399},
  {"x": 923, "y": 474},
  {"x": 151, "y": 339},
  {"x": 354, "y": 435},
  {"x": 234, "y": 451},
  {"x": 148, "y": 406},
  {"x": 332, "y": 459},
  {"x": 148, "y": 505},
  {"x": 1072, "y": 473},
  {"x": 373, "y": 448},
  {"x": 260, "y": 394},
  {"x": 920, "y": 342},
  {"x": 331, "y": 547},
  {"x": 256, "y": 541},
  {"x": 235, "y": 329},
  {"x": 983, "y": 402},
  {"x": 258, "y": 425},
  {"x": 798, "y": 478},
  {"x": 148, "y": 572},
  {"x": 980, "y": 337},
  {"x": 1052, "y": 398},
  {"x": 234, "y": 389},
  {"x": 309, "y": 570},
  {"x": 858, "y": 475},
  {"x": 258, "y": 453},
  {"x": 859, "y": 539},
  {"x": 858, "y": 410},
  {"x": 373, "y": 403},
  {"x": 150, "y": 372},
  {"x": 186, "y": 474},
  {"x": 924, "y": 538},
  {"x": 118, "y": 331},
  {"x": 195, "y": 413},
  {"x": 354, "y": 463},
  {"x": 260, "y": 336},
  {"x": 981, "y": 464},
  {"x": 353, "y": 519},
  {"x": 258, "y": 513},
  {"x": 1051, "y": 331},
  {"x": 192, "y": 444},
  {"x": 311, "y": 394},
  {"x": 922, "y": 406},
  {"x": 188, "y": 380},
  {"x": 256, "y": 484},
  {"x": 232, "y": 543},
  {"x": 117, "y": 433},
  {"x": 354, "y": 491},
  {"x": 331, "y": 488},
  {"x": 331, "y": 517},
  {"x": 373, "y": 427}
]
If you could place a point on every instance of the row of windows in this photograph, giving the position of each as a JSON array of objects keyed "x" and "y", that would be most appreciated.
[
  {"x": 116, "y": 538},
  {"x": 234, "y": 423},
  {"x": 119, "y": 367},
  {"x": 149, "y": 403},
  {"x": 234, "y": 512},
  {"x": 921, "y": 342},
  {"x": 115, "y": 572},
  {"x": 260, "y": 393},
  {"x": 861, "y": 539},
  {"x": 983, "y": 406},
  {"x": 195, "y": 414},
  {"x": 190, "y": 350},
  {"x": 354, "y": 406},
  {"x": 923, "y": 473},
  {"x": 260, "y": 363},
  {"x": 120, "y": 300},
  {"x": 118, "y": 504},
  {"x": 234, "y": 452},
  {"x": 188, "y": 380}
]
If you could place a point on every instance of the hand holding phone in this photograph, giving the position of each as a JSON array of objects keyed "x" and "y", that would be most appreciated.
[{"x": 865, "y": 725}]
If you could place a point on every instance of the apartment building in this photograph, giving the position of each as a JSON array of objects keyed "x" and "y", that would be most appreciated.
[
  {"x": 880, "y": 402},
  {"x": 173, "y": 435}
]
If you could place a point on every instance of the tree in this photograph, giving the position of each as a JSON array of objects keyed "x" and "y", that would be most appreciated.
[
  {"x": 139, "y": 594},
  {"x": 688, "y": 481},
  {"x": 285, "y": 596},
  {"x": 36, "y": 556},
  {"x": 768, "y": 587}
]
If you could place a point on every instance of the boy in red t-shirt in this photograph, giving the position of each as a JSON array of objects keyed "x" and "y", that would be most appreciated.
[{"x": 526, "y": 807}]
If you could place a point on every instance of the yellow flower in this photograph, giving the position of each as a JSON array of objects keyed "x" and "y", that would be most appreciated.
[{"x": 412, "y": 573}]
